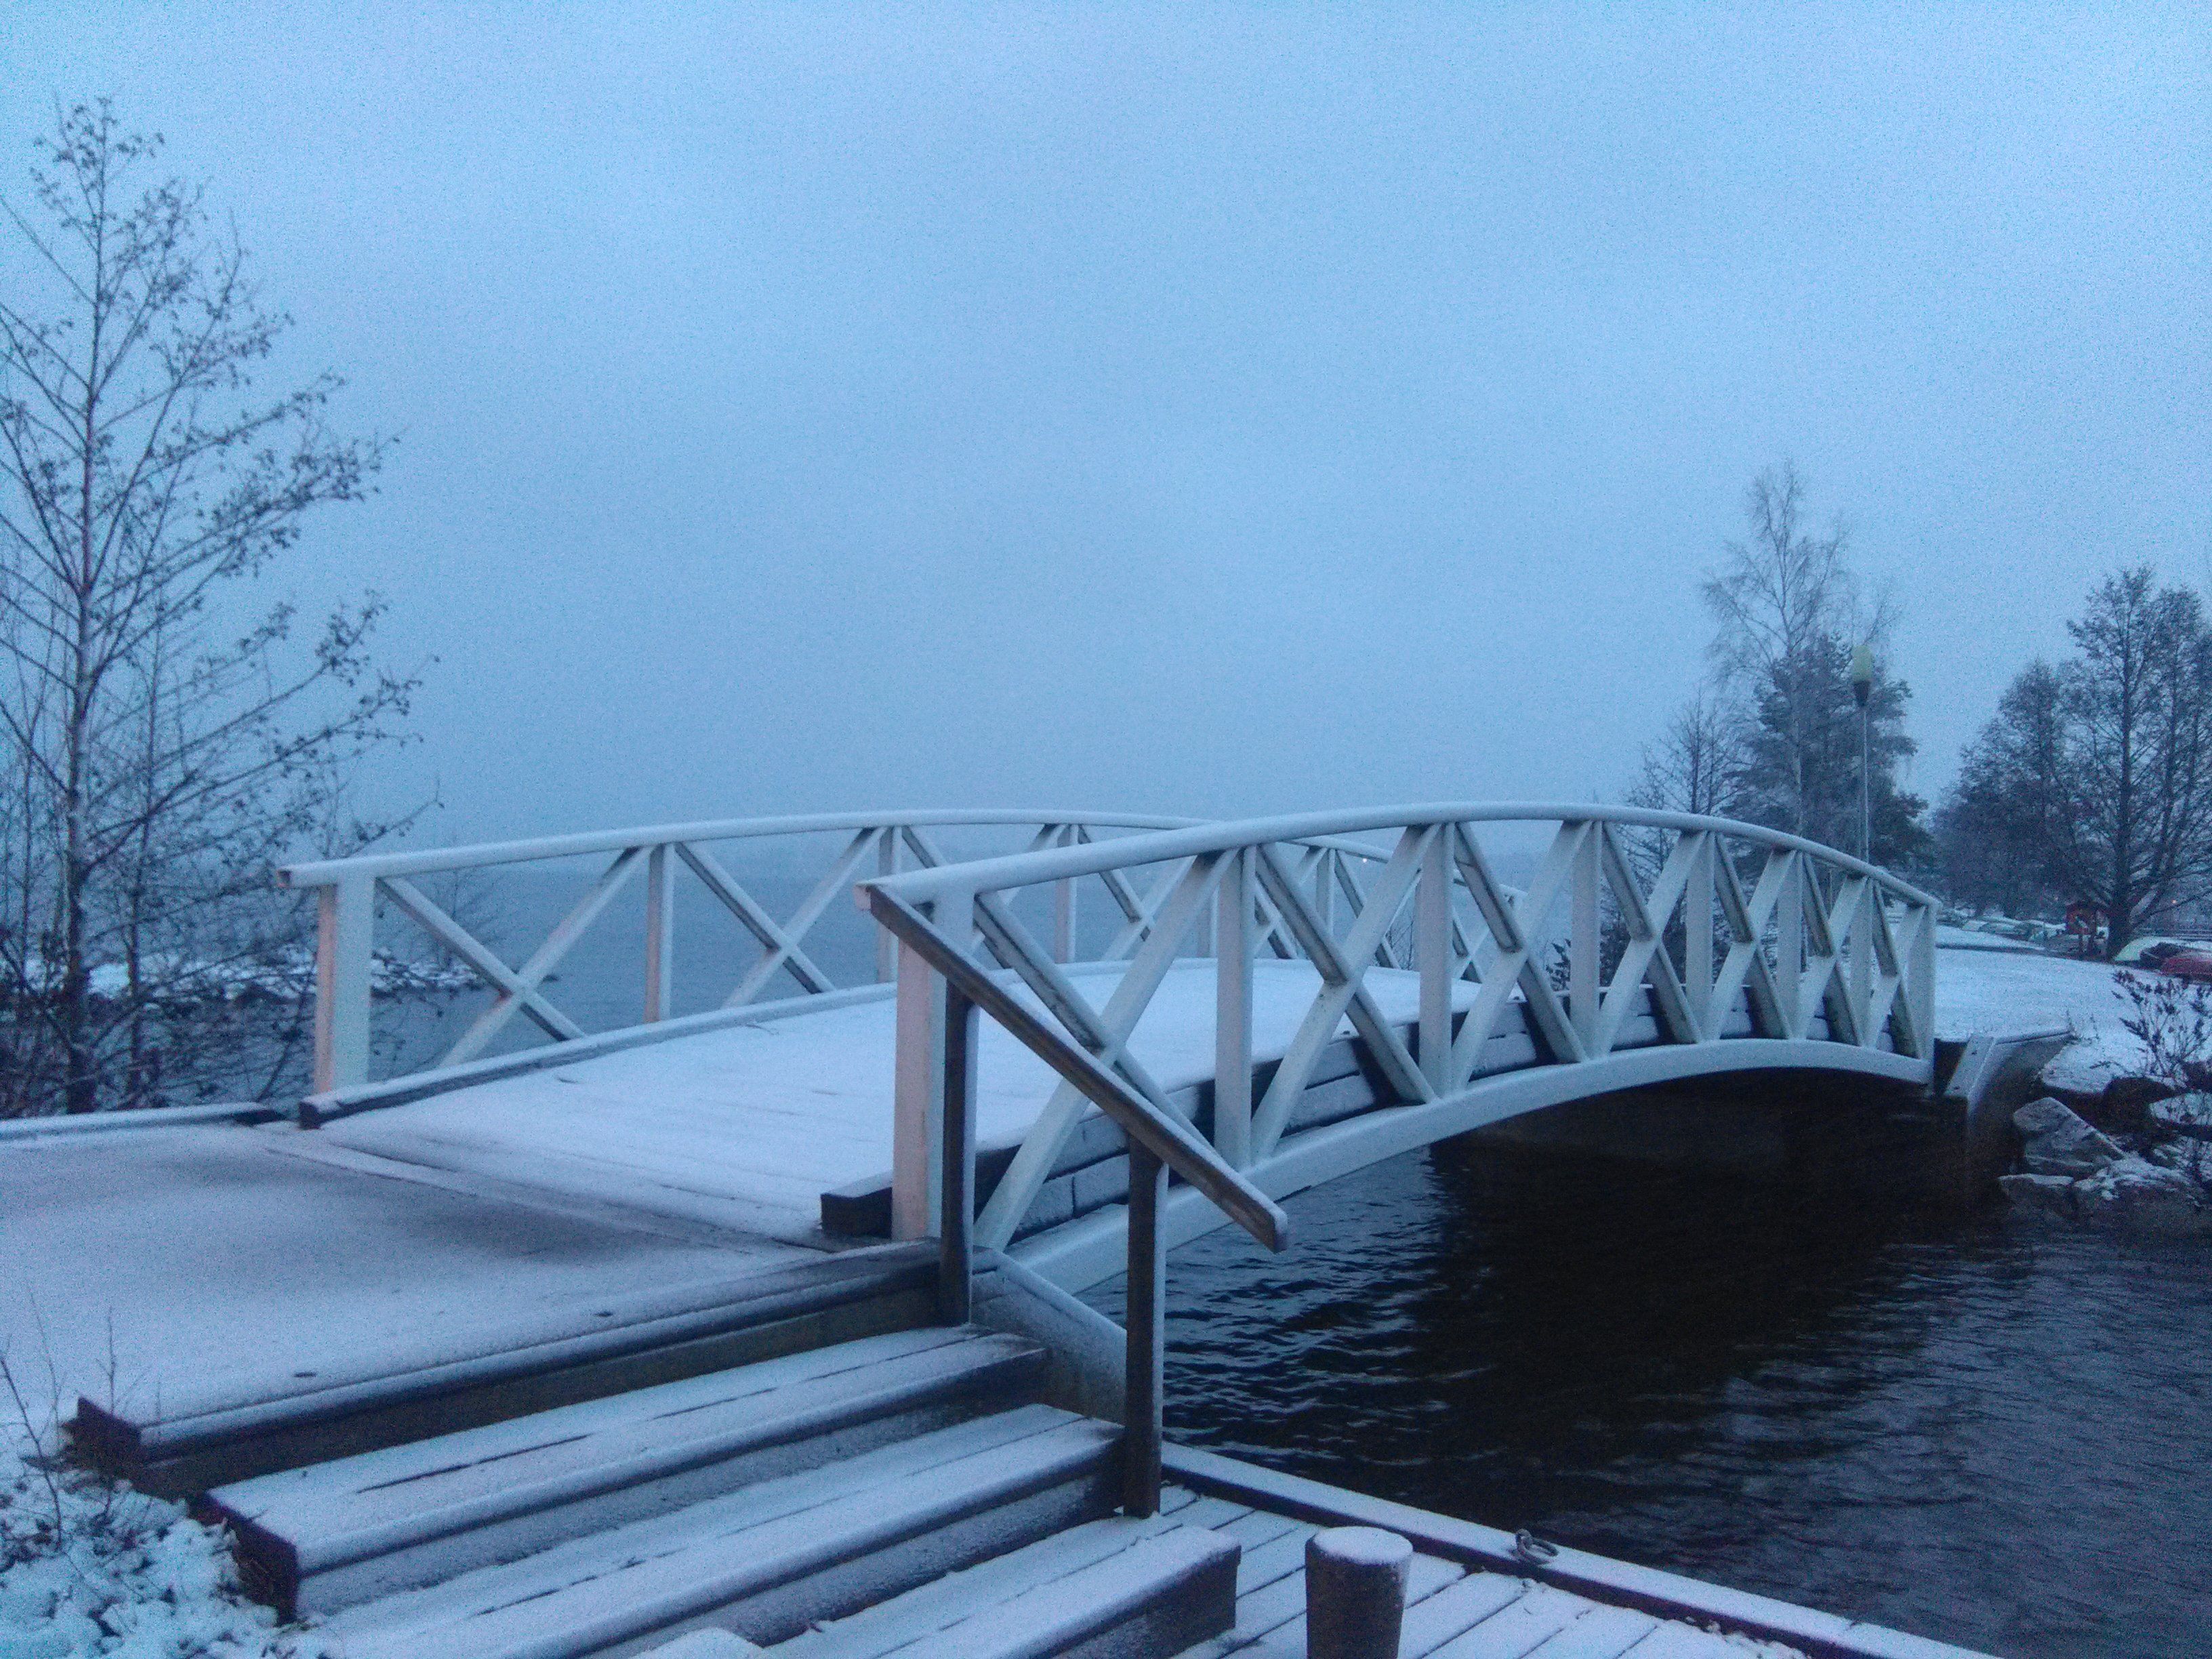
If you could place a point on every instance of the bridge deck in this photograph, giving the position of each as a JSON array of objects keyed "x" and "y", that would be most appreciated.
[{"x": 747, "y": 1125}]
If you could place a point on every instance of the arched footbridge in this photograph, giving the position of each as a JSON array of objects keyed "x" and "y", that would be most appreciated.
[{"x": 1044, "y": 1000}]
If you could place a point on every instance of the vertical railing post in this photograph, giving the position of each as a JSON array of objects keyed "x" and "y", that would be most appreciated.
[
  {"x": 1233, "y": 1010},
  {"x": 1432, "y": 919},
  {"x": 1920, "y": 963},
  {"x": 887, "y": 863},
  {"x": 1147, "y": 1336},
  {"x": 1063, "y": 907},
  {"x": 957, "y": 1160},
  {"x": 659, "y": 932},
  {"x": 1698, "y": 937},
  {"x": 1582, "y": 940},
  {"x": 918, "y": 1074},
  {"x": 1860, "y": 980},
  {"x": 345, "y": 935},
  {"x": 1325, "y": 890},
  {"x": 1789, "y": 945}
]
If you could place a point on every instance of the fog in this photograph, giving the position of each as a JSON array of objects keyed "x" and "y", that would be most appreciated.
[{"x": 1119, "y": 407}]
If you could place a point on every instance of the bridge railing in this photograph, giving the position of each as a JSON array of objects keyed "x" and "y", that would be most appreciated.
[
  {"x": 1692, "y": 924},
  {"x": 1638, "y": 928},
  {"x": 785, "y": 969},
  {"x": 782, "y": 970}
]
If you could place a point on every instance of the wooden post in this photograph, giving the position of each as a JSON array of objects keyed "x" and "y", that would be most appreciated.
[
  {"x": 918, "y": 1075},
  {"x": 1232, "y": 1012},
  {"x": 1433, "y": 921},
  {"x": 1582, "y": 939},
  {"x": 1921, "y": 963},
  {"x": 887, "y": 862},
  {"x": 1142, "y": 1380},
  {"x": 345, "y": 934},
  {"x": 1355, "y": 1592},
  {"x": 1697, "y": 936},
  {"x": 1063, "y": 910},
  {"x": 1789, "y": 946},
  {"x": 659, "y": 933},
  {"x": 957, "y": 1160},
  {"x": 1861, "y": 983}
]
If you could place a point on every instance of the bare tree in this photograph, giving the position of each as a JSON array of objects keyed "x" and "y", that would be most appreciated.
[
  {"x": 1781, "y": 600},
  {"x": 2138, "y": 699},
  {"x": 164, "y": 737},
  {"x": 1697, "y": 763}
]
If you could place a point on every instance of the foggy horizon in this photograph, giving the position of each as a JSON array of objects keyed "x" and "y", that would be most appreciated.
[{"x": 1222, "y": 414}]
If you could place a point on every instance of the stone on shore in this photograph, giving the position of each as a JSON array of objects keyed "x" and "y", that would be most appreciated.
[
  {"x": 2185, "y": 1114},
  {"x": 2129, "y": 1194},
  {"x": 2057, "y": 1142},
  {"x": 2039, "y": 1195}
]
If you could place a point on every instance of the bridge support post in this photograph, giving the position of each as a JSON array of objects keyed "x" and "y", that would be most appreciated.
[
  {"x": 956, "y": 1253},
  {"x": 1232, "y": 1014},
  {"x": 345, "y": 939},
  {"x": 1146, "y": 1315},
  {"x": 659, "y": 933},
  {"x": 918, "y": 1081}
]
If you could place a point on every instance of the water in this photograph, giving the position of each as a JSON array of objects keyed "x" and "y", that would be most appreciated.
[{"x": 1933, "y": 1421}]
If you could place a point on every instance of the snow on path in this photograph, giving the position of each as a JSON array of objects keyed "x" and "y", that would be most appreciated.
[
  {"x": 217, "y": 1265},
  {"x": 1981, "y": 990}
]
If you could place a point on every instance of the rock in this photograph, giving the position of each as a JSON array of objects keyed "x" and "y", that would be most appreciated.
[
  {"x": 2057, "y": 1142},
  {"x": 2039, "y": 1195},
  {"x": 2141, "y": 1197},
  {"x": 2080, "y": 1072},
  {"x": 2185, "y": 1114},
  {"x": 2127, "y": 1100}
]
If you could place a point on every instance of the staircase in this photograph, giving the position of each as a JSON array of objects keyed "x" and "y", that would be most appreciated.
[{"x": 905, "y": 1493}]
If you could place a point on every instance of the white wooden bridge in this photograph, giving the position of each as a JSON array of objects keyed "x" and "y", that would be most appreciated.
[
  {"x": 1062, "y": 1059},
  {"x": 1306, "y": 996}
]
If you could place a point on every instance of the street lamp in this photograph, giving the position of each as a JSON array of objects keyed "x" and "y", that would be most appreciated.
[{"x": 1863, "y": 689}]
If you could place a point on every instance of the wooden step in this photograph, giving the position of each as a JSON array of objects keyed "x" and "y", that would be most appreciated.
[
  {"x": 788, "y": 1310},
  {"x": 325, "y": 1537},
  {"x": 949, "y": 1606},
  {"x": 770, "y": 1559},
  {"x": 1133, "y": 1589}
]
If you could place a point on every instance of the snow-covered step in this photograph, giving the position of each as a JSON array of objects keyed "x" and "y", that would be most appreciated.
[
  {"x": 781, "y": 1311},
  {"x": 325, "y": 1537},
  {"x": 771, "y": 1558},
  {"x": 1120, "y": 1586}
]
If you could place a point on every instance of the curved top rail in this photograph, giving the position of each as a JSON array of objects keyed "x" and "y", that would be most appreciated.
[
  {"x": 324, "y": 872},
  {"x": 1023, "y": 869}
]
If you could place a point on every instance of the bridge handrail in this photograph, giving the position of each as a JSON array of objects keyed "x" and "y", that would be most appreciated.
[
  {"x": 350, "y": 889},
  {"x": 1159, "y": 1144},
  {"x": 1808, "y": 956},
  {"x": 1337, "y": 827}
]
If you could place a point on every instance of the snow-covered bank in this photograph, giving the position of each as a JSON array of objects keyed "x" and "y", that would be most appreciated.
[
  {"x": 88, "y": 1567},
  {"x": 1997, "y": 992}
]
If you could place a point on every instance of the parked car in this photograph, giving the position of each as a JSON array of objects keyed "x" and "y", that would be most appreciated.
[
  {"x": 2196, "y": 966},
  {"x": 2148, "y": 949}
]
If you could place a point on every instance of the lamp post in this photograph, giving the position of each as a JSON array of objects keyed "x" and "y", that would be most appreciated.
[{"x": 1863, "y": 689}]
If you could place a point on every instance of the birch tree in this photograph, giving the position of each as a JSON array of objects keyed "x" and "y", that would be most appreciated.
[{"x": 167, "y": 730}]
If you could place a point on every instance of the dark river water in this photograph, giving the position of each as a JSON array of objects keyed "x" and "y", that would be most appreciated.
[{"x": 1933, "y": 1421}]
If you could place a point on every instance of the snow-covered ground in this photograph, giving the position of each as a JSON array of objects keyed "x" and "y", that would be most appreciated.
[
  {"x": 1995, "y": 991},
  {"x": 90, "y": 1568}
]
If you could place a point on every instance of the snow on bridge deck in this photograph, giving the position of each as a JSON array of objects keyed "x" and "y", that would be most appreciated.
[
  {"x": 201, "y": 1262},
  {"x": 746, "y": 1126}
]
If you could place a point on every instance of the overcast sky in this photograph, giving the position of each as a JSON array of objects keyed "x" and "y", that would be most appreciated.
[{"x": 1202, "y": 410}]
